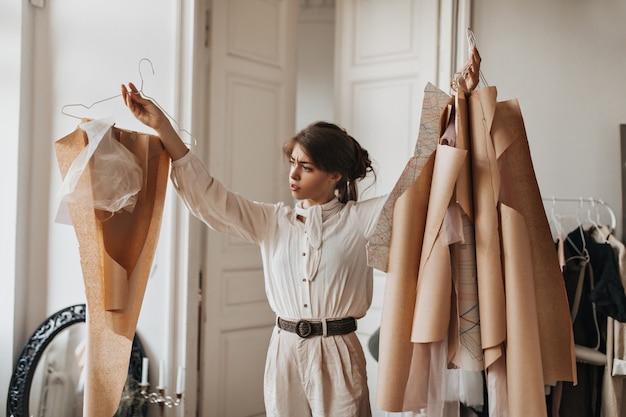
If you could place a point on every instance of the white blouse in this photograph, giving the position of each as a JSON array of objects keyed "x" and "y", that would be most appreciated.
[{"x": 316, "y": 269}]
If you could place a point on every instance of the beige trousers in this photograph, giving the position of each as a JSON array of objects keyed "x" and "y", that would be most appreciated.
[{"x": 318, "y": 376}]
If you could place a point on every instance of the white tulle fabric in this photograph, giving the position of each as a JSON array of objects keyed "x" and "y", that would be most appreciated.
[{"x": 116, "y": 176}]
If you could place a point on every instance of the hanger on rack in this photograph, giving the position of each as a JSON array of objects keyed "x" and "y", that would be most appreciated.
[
  {"x": 563, "y": 235},
  {"x": 141, "y": 78},
  {"x": 595, "y": 222},
  {"x": 584, "y": 354},
  {"x": 593, "y": 204}
]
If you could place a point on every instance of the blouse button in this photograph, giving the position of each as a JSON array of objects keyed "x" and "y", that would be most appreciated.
[
  {"x": 303, "y": 279},
  {"x": 306, "y": 305},
  {"x": 303, "y": 253}
]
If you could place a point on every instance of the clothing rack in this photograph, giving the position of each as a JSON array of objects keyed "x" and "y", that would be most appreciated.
[
  {"x": 591, "y": 203},
  {"x": 583, "y": 354}
]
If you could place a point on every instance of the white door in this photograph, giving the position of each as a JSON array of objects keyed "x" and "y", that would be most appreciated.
[
  {"x": 386, "y": 52},
  {"x": 250, "y": 112}
]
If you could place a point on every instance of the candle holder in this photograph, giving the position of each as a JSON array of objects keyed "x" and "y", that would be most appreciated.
[{"x": 159, "y": 397}]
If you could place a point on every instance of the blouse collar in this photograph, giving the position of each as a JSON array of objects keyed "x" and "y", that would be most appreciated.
[
  {"x": 326, "y": 209},
  {"x": 315, "y": 216}
]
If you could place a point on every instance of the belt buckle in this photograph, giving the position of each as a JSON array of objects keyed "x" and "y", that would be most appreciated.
[{"x": 304, "y": 328}]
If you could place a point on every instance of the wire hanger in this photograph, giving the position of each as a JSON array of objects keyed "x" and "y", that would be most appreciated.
[
  {"x": 595, "y": 203},
  {"x": 557, "y": 219},
  {"x": 87, "y": 107}
]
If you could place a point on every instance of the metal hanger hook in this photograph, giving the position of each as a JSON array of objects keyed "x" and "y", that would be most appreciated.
[{"x": 141, "y": 74}]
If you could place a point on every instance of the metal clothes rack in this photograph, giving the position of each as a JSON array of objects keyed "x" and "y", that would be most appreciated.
[
  {"x": 590, "y": 203},
  {"x": 584, "y": 354}
]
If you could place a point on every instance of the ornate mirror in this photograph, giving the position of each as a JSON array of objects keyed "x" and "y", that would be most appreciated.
[{"x": 47, "y": 379}]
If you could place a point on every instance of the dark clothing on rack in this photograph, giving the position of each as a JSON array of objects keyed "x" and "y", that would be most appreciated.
[
  {"x": 607, "y": 291},
  {"x": 581, "y": 275},
  {"x": 589, "y": 326},
  {"x": 591, "y": 277}
]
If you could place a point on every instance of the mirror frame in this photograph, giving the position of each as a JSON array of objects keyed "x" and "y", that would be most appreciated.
[{"x": 19, "y": 387}]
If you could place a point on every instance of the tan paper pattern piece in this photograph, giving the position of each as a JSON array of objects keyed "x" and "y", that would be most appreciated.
[
  {"x": 465, "y": 335},
  {"x": 127, "y": 241},
  {"x": 486, "y": 188},
  {"x": 431, "y": 318},
  {"x": 435, "y": 101},
  {"x": 524, "y": 316},
  {"x": 520, "y": 192}
]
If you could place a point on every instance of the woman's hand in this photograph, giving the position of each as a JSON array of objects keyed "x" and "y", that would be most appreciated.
[
  {"x": 151, "y": 115},
  {"x": 470, "y": 73},
  {"x": 471, "y": 70},
  {"x": 143, "y": 109}
]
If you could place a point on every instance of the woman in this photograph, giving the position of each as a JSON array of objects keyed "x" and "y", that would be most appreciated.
[{"x": 314, "y": 257}]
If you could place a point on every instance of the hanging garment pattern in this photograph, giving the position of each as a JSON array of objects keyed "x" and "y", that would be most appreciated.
[{"x": 525, "y": 324}]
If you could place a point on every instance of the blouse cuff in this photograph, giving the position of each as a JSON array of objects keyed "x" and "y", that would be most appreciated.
[{"x": 184, "y": 160}]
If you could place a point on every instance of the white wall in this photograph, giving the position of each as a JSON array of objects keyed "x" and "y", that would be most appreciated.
[
  {"x": 564, "y": 61},
  {"x": 11, "y": 45}
]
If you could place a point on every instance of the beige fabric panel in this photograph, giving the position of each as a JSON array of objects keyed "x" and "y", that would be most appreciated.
[{"x": 128, "y": 240}]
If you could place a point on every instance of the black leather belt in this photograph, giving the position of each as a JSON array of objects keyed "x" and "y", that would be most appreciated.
[{"x": 307, "y": 328}]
